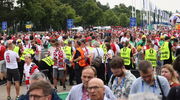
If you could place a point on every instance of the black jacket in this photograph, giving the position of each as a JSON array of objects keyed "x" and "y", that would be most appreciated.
[{"x": 174, "y": 93}]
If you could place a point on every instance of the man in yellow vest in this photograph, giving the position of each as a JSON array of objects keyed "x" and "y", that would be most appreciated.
[
  {"x": 45, "y": 66},
  {"x": 69, "y": 52},
  {"x": 16, "y": 49},
  {"x": 126, "y": 54},
  {"x": 165, "y": 52},
  {"x": 103, "y": 46},
  {"x": 151, "y": 55}
]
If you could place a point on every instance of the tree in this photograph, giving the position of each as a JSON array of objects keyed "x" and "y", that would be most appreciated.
[
  {"x": 138, "y": 17},
  {"x": 91, "y": 13},
  {"x": 63, "y": 13},
  {"x": 77, "y": 5},
  {"x": 111, "y": 18},
  {"x": 103, "y": 7},
  {"x": 6, "y": 12},
  {"x": 46, "y": 14},
  {"x": 121, "y": 8},
  {"x": 124, "y": 21}
]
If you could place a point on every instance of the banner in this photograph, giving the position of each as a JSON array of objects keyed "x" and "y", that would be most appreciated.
[
  {"x": 70, "y": 23},
  {"x": 4, "y": 25},
  {"x": 133, "y": 22}
]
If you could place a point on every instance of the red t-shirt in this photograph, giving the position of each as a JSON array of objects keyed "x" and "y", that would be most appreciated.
[
  {"x": 146, "y": 47},
  {"x": 113, "y": 47},
  {"x": 2, "y": 50}
]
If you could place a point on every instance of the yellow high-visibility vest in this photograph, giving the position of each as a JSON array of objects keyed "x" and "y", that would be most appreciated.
[
  {"x": 103, "y": 46},
  {"x": 151, "y": 56},
  {"x": 67, "y": 50},
  {"x": 90, "y": 48},
  {"x": 25, "y": 52},
  {"x": 16, "y": 49},
  {"x": 165, "y": 53},
  {"x": 48, "y": 61},
  {"x": 125, "y": 53}
]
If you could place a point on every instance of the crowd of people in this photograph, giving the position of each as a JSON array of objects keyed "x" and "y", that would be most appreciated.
[{"x": 129, "y": 61}]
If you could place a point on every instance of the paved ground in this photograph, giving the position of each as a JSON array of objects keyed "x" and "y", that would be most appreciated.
[{"x": 3, "y": 94}]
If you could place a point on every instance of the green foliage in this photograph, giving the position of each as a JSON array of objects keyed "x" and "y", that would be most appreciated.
[
  {"x": 91, "y": 13},
  {"x": 111, "y": 18},
  {"x": 45, "y": 14},
  {"x": 124, "y": 21}
]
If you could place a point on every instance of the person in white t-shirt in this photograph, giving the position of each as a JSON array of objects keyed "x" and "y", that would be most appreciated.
[
  {"x": 11, "y": 59},
  {"x": 27, "y": 43},
  {"x": 97, "y": 51},
  {"x": 52, "y": 48},
  {"x": 29, "y": 69}
]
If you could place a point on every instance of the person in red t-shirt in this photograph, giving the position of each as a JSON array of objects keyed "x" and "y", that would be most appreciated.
[{"x": 2, "y": 63}]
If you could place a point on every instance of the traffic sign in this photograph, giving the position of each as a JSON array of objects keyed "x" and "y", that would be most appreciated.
[
  {"x": 4, "y": 25},
  {"x": 132, "y": 22},
  {"x": 70, "y": 23},
  {"x": 28, "y": 26}
]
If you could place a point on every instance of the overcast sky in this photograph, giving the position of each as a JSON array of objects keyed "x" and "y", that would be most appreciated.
[{"x": 170, "y": 5}]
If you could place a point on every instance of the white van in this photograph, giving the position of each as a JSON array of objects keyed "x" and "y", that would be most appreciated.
[{"x": 77, "y": 29}]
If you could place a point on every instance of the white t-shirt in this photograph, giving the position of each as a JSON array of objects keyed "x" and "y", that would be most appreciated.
[
  {"x": 110, "y": 52},
  {"x": 51, "y": 51},
  {"x": 95, "y": 53},
  {"x": 27, "y": 46},
  {"x": 124, "y": 39},
  {"x": 27, "y": 70},
  {"x": 37, "y": 56},
  {"x": 10, "y": 58},
  {"x": 87, "y": 50},
  {"x": 60, "y": 38}
]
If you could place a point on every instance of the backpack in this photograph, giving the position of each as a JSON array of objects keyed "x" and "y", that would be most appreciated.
[{"x": 97, "y": 61}]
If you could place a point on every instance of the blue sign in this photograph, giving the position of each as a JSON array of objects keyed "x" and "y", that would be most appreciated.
[
  {"x": 132, "y": 22},
  {"x": 70, "y": 23},
  {"x": 4, "y": 25}
]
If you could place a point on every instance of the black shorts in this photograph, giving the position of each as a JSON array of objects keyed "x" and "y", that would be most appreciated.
[{"x": 13, "y": 74}]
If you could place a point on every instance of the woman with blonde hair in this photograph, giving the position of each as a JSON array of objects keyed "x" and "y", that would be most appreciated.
[{"x": 168, "y": 72}]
